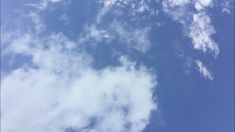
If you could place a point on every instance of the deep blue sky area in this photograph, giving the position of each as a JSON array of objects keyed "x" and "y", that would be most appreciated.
[{"x": 189, "y": 97}]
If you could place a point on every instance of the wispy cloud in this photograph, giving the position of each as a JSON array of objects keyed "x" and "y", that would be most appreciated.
[
  {"x": 43, "y": 4},
  {"x": 37, "y": 21},
  {"x": 138, "y": 38},
  {"x": 126, "y": 35},
  {"x": 200, "y": 30},
  {"x": 65, "y": 19},
  {"x": 227, "y": 6},
  {"x": 197, "y": 26},
  {"x": 132, "y": 7},
  {"x": 203, "y": 70},
  {"x": 95, "y": 34}
]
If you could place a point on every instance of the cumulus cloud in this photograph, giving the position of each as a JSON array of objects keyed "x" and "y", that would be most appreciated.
[
  {"x": 61, "y": 91},
  {"x": 203, "y": 70}
]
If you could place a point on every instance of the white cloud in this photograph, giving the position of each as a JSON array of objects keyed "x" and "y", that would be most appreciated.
[
  {"x": 108, "y": 3},
  {"x": 128, "y": 36},
  {"x": 93, "y": 35},
  {"x": 198, "y": 4},
  {"x": 65, "y": 92},
  {"x": 136, "y": 38},
  {"x": 203, "y": 70},
  {"x": 197, "y": 24},
  {"x": 201, "y": 4},
  {"x": 201, "y": 31},
  {"x": 97, "y": 34}
]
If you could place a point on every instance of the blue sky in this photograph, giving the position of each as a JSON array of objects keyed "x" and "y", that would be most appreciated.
[{"x": 117, "y": 65}]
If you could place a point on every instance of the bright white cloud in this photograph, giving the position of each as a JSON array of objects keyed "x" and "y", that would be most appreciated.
[
  {"x": 63, "y": 91},
  {"x": 203, "y": 70}
]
